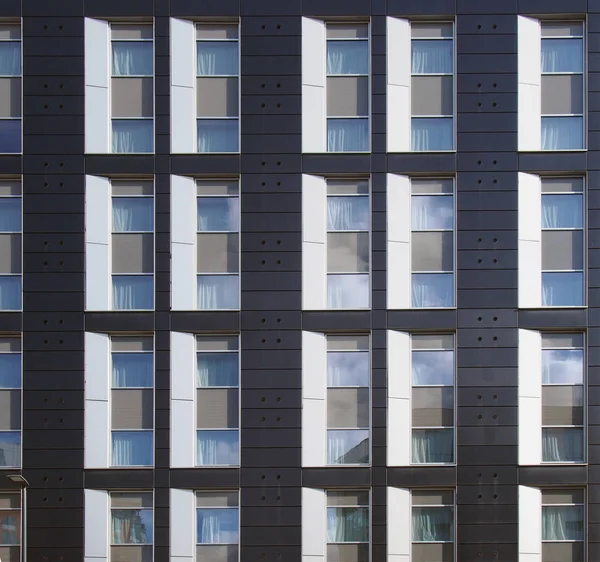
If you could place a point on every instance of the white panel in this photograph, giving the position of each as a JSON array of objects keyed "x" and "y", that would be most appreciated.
[
  {"x": 314, "y": 432},
  {"x": 97, "y": 120},
  {"x": 97, "y": 53},
  {"x": 314, "y": 209},
  {"x": 314, "y": 276},
  {"x": 398, "y": 118},
  {"x": 530, "y": 397},
  {"x": 399, "y": 51},
  {"x": 97, "y": 366},
  {"x": 183, "y": 524},
  {"x": 314, "y": 52},
  {"x": 183, "y": 277},
  {"x": 530, "y": 100},
  {"x": 398, "y": 241},
  {"x": 183, "y": 120},
  {"x": 399, "y": 432},
  {"x": 183, "y": 366},
  {"x": 97, "y": 434},
  {"x": 399, "y": 522},
  {"x": 399, "y": 364},
  {"x": 97, "y": 277},
  {"x": 398, "y": 558},
  {"x": 399, "y": 207},
  {"x": 530, "y": 524},
  {"x": 398, "y": 275},
  {"x": 530, "y": 207},
  {"x": 530, "y": 241},
  {"x": 313, "y": 85},
  {"x": 314, "y": 523},
  {"x": 98, "y": 211},
  {"x": 398, "y": 85},
  {"x": 183, "y": 434},
  {"x": 184, "y": 220},
  {"x": 399, "y": 391},
  {"x": 314, "y": 365},
  {"x": 314, "y": 119},
  {"x": 183, "y": 51},
  {"x": 96, "y": 524}
]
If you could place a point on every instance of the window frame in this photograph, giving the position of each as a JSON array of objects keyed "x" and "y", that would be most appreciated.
[
  {"x": 20, "y": 389},
  {"x": 111, "y": 544},
  {"x": 19, "y": 510},
  {"x": 239, "y": 526},
  {"x": 15, "y": 23},
  {"x": 18, "y": 180},
  {"x": 453, "y": 506},
  {"x": 351, "y": 506},
  {"x": 584, "y": 505}
]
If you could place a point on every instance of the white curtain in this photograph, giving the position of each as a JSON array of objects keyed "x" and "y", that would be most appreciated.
[
  {"x": 135, "y": 135},
  {"x": 218, "y": 214},
  {"x": 432, "y": 368},
  {"x": 432, "y": 290},
  {"x": 431, "y": 134},
  {"x": 432, "y": 524},
  {"x": 132, "y": 214},
  {"x": 347, "y": 524},
  {"x": 133, "y": 292},
  {"x": 132, "y": 370},
  {"x": 217, "y": 58},
  {"x": 562, "y": 366},
  {"x": 217, "y": 369},
  {"x": 562, "y": 289},
  {"x": 348, "y": 368},
  {"x": 347, "y": 57},
  {"x": 132, "y": 58},
  {"x": 562, "y": 523},
  {"x": 347, "y": 135},
  {"x": 10, "y": 528},
  {"x": 10, "y": 292},
  {"x": 217, "y": 292},
  {"x": 10, "y": 214},
  {"x": 217, "y": 526},
  {"x": 347, "y": 213},
  {"x": 562, "y": 133},
  {"x": 562, "y": 211},
  {"x": 562, "y": 444},
  {"x": 132, "y": 448},
  {"x": 10, "y": 58},
  {"x": 218, "y": 135},
  {"x": 10, "y": 136},
  {"x": 131, "y": 526},
  {"x": 217, "y": 447},
  {"x": 10, "y": 448},
  {"x": 347, "y": 291},
  {"x": 10, "y": 370},
  {"x": 433, "y": 446},
  {"x": 432, "y": 212},
  {"x": 349, "y": 446},
  {"x": 562, "y": 55},
  {"x": 432, "y": 57}
]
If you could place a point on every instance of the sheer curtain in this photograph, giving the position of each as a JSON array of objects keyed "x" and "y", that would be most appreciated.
[
  {"x": 132, "y": 214},
  {"x": 132, "y": 292},
  {"x": 218, "y": 214},
  {"x": 431, "y": 134},
  {"x": 433, "y": 446},
  {"x": 132, "y": 58},
  {"x": 347, "y": 135},
  {"x": 217, "y": 526},
  {"x": 432, "y": 524},
  {"x": 218, "y": 447},
  {"x": 564, "y": 523},
  {"x": 131, "y": 526},
  {"x": 217, "y": 58},
  {"x": 347, "y": 213},
  {"x": 347, "y": 57},
  {"x": 348, "y": 446},
  {"x": 432, "y": 290},
  {"x": 10, "y": 370},
  {"x": 10, "y": 136},
  {"x": 10, "y": 292},
  {"x": 218, "y": 135},
  {"x": 432, "y": 57},
  {"x": 347, "y": 524},
  {"x": 347, "y": 291},
  {"x": 562, "y": 55},
  {"x": 562, "y": 211},
  {"x": 132, "y": 448},
  {"x": 218, "y": 292},
  {"x": 432, "y": 212},
  {"x": 562, "y": 445},
  {"x": 9, "y": 529},
  {"x": 10, "y": 449},
  {"x": 562, "y": 133},
  {"x": 10, "y": 58},
  {"x": 132, "y": 135},
  {"x": 562, "y": 289},
  {"x": 10, "y": 214},
  {"x": 132, "y": 370},
  {"x": 217, "y": 369}
]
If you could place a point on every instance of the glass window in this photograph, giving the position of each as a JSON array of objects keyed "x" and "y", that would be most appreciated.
[
  {"x": 10, "y": 402},
  {"x": 10, "y": 526},
  {"x": 433, "y": 525},
  {"x": 218, "y": 135},
  {"x": 10, "y": 214},
  {"x": 347, "y": 135},
  {"x": 132, "y": 135},
  {"x": 563, "y": 525},
  {"x": 10, "y": 244},
  {"x": 217, "y": 526},
  {"x": 131, "y": 526},
  {"x": 133, "y": 214},
  {"x": 10, "y": 85},
  {"x": 348, "y": 526}
]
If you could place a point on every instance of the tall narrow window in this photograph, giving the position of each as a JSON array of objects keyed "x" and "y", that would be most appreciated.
[
  {"x": 218, "y": 260},
  {"x": 433, "y": 525},
  {"x": 563, "y": 86},
  {"x": 217, "y": 89},
  {"x": 432, "y": 86},
  {"x": 10, "y": 244},
  {"x": 132, "y": 400},
  {"x": 348, "y": 401},
  {"x": 562, "y": 242},
  {"x": 132, "y": 88},
  {"x": 348, "y": 101},
  {"x": 218, "y": 401},
  {"x": 563, "y": 525},
  {"x": 131, "y": 526},
  {"x": 217, "y": 526},
  {"x": 10, "y": 526},
  {"x": 132, "y": 245},
  {"x": 433, "y": 398},
  {"x": 432, "y": 243},
  {"x": 10, "y": 88},
  {"x": 348, "y": 526},
  {"x": 348, "y": 241},
  {"x": 562, "y": 397},
  {"x": 10, "y": 402}
]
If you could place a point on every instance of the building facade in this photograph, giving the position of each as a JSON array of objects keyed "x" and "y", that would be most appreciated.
[{"x": 306, "y": 280}]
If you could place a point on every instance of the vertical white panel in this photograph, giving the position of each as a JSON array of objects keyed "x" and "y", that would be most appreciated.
[
  {"x": 314, "y": 524},
  {"x": 314, "y": 365},
  {"x": 183, "y": 276},
  {"x": 97, "y": 79},
  {"x": 398, "y": 241},
  {"x": 96, "y": 524},
  {"x": 183, "y": 524},
  {"x": 398, "y": 85},
  {"x": 398, "y": 524},
  {"x": 530, "y": 241},
  {"x": 530, "y": 524},
  {"x": 314, "y": 236},
  {"x": 183, "y": 86},
  {"x": 97, "y": 366},
  {"x": 530, "y": 99},
  {"x": 530, "y": 397},
  {"x": 183, "y": 434},
  {"x": 399, "y": 392},
  {"x": 314, "y": 116}
]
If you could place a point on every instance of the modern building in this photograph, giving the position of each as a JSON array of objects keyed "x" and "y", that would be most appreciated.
[{"x": 299, "y": 281}]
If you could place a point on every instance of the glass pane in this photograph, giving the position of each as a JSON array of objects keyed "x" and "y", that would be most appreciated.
[
  {"x": 433, "y": 368},
  {"x": 10, "y": 292},
  {"x": 348, "y": 368},
  {"x": 348, "y": 446},
  {"x": 432, "y": 446},
  {"x": 218, "y": 292},
  {"x": 347, "y": 135},
  {"x": 347, "y": 524},
  {"x": 217, "y": 58},
  {"x": 218, "y": 135},
  {"x": 562, "y": 211},
  {"x": 132, "y": 448},
  {"x": 348, "y": 213},
  {"x": 563, "y": 366},
  {"x": 347, "y": 57},
  {"x": 132, "y": 370},
  {"x": 347, "y": 291},
  {"x": 131, "y": 526},
  {"x": 217, "y": 369},
  {"x": 430, "y": 212},
  {"x": 133, "y": 292},
  {"x": 432, "y": 524},
  {"x": 562, "y": 55},
  {"x": 218, "y": 214},
  {"x": 10, "y": 136},
  {"x": 562, "y": 523},
  {"x": 431, "y": 134},
  {"x": 135, "y": 214},
  {"x": 10, "y": 553},
  {"x": 432, "y": 290},
  {"x": 217, "y": 553},
  {"x": 10, "y": 528},
  {"x": 10, "y": 58},
  {"x": 131, "y": 553},
  {"x": 432, "y": 57},
  {"x": 348, "y": 552},
  {"x": 132, "y": 58},
  {"x": 10, "y": 448},
  {"x": 562, "y": 444},
  {"x": 217, "y": 526},
  {"x": 10, "y": 214},
  {"x": 562, "y": 133},
  {"x": 10, "y": 370},
  {"x": 132, "y": 135},
  {"x": 562, "y": 405},
  {"x": 562, "y": 289},
  {"x": 218, "y": 448}
]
